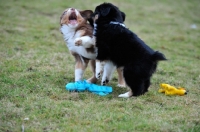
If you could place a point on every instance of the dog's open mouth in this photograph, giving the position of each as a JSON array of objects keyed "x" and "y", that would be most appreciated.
[{"x": 73, "y": 18}]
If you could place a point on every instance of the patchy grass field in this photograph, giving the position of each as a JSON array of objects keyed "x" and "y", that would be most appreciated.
[{"x": 35, "y": 65}]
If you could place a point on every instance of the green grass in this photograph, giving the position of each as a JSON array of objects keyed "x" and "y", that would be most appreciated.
[{"x": 35, "y": 65}]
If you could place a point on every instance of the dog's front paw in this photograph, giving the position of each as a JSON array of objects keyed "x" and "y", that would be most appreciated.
[
  {"x": 98, "y": 75},
  {"x": 78, "y": 42},
  {"x": 104, "y": 82}
]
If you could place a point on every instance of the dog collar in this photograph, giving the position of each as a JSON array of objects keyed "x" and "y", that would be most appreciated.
[{"x": 112, "y": 22}]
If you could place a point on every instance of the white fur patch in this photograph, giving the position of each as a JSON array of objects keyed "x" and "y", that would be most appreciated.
[
  {"x": 78, "y": 74},
  {"x": 121, "y": 86},
  {"x": 125, "y": 95}
]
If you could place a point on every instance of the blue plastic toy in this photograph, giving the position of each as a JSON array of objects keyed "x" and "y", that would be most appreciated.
[{"x": 81, "y": 86}]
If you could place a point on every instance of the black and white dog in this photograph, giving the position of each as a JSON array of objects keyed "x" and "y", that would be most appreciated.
[{"x": 124, "y": 48}]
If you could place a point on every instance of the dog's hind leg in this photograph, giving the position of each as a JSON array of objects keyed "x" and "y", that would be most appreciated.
[
  {"x": 80, "y": 66},
  {"x": 138, "y": 87},
  {"x": 134, "y": 80},
  {"x": 121, "y": 81},
  {"x": 93, "y": 79}
]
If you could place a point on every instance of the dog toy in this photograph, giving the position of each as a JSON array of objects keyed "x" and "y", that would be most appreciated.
[
  {"x": 171, "y": 90},
  {"x": 81, "y": 86}
]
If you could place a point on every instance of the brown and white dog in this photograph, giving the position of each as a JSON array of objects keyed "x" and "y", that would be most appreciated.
[{"x": 78, "y": 35}]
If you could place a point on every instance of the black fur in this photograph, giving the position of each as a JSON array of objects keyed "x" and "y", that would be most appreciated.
[{"x": 124, "y": 48}]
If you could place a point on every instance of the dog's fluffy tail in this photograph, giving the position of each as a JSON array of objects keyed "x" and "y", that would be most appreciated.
[{"x": 157, "y": 56}]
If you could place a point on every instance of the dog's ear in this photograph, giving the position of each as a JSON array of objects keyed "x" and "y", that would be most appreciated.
[
  {"x": 87, "y": 14},
  {"x": 62, "y": 20},
  {"x": 123, "y": 16},
  {"x": 105, "y": 11}
]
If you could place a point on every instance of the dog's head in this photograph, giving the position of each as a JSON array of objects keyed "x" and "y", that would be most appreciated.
[
  {"x": 107, "y": 12},
  {"x": 73, "y": 17}
]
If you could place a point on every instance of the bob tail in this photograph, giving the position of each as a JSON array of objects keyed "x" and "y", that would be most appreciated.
[{"x": 157, "y": 56}]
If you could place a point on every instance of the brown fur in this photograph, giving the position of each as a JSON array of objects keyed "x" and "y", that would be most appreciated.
[{"x": 88, "y": 30}]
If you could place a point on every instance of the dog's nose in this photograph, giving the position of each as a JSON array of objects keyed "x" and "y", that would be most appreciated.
[{"x": 72, "y": 9}]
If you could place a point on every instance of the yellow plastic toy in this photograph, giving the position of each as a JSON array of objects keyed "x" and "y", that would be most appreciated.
[{"x": 171, "y": 90}]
